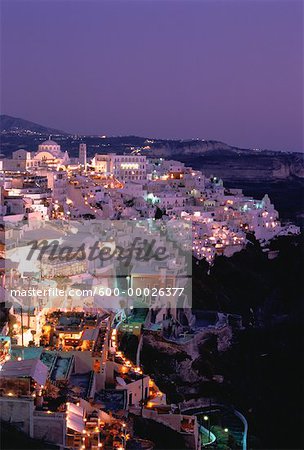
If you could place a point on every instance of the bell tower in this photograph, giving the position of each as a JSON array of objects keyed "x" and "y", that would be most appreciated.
[{"x": 83, "y": 156}]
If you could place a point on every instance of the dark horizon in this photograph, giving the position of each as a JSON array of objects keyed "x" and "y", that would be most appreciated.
[
  {"x": 53, "y": 137},
  {"x": 229, "y": 71}
]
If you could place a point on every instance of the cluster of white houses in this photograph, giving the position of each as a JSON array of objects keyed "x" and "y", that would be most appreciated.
[{"x": 49, "y": 184}]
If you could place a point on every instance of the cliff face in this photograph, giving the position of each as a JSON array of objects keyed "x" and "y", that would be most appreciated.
[
  {"x": 252, "y": 168},
  {"x": 232, "y": 163},
  {"x": 193, "y": 148},
  {"x": 293, "y": 166}
]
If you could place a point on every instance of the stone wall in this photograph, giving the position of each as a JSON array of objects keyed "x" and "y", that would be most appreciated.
[
  {"x": 19, "y": 412},
  {"x": 49, "y": 427}
]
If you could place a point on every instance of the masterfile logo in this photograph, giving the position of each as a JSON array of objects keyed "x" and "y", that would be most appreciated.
[
  {"x": 140, "y": 249},
  {"x": 99, "y": 264}
]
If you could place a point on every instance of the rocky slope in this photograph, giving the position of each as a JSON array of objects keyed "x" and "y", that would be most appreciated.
[{"x": 186, "y": 371}]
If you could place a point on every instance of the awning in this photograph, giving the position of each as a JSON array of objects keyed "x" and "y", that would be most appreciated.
[
  {"x": 75, "y": 423},
  {"x": 78, "y": 410},
  {"x": 75, "y": 418}
]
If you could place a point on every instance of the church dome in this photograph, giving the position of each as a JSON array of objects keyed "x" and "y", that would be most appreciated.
[
  {"x": 49, "y": 149},
  {"x": 50, "y": 142}
]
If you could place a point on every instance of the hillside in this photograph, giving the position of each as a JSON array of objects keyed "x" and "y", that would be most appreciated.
[{"x": 9, "y": 124}]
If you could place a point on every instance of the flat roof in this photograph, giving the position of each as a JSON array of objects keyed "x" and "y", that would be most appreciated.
[
  {"x": 32, "y": 368},
  {"x": 90, "y": 334}
]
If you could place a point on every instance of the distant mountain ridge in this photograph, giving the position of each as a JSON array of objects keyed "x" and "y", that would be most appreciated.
[
  {"x": 15, "y": 124},
  {"x": 167, "y": 148}
]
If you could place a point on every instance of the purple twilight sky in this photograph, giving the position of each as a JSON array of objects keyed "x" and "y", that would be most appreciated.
[{"x": 226, "y": 70}]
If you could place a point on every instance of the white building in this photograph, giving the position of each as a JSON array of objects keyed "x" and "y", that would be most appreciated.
[
  {"x": 130, "y": 167},
  {"x": 21, "y": 161},
  {"x": 123, "y": 167},
  {"x": 103, "y": 163}
]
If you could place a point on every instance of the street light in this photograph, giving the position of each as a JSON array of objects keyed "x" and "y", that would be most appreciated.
[
  {"x": 207, "y": 418},
  {"x": 124, "y": 435},
  {"x": 128, "y": 278},
  {"x": 226, "y": 430}
]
